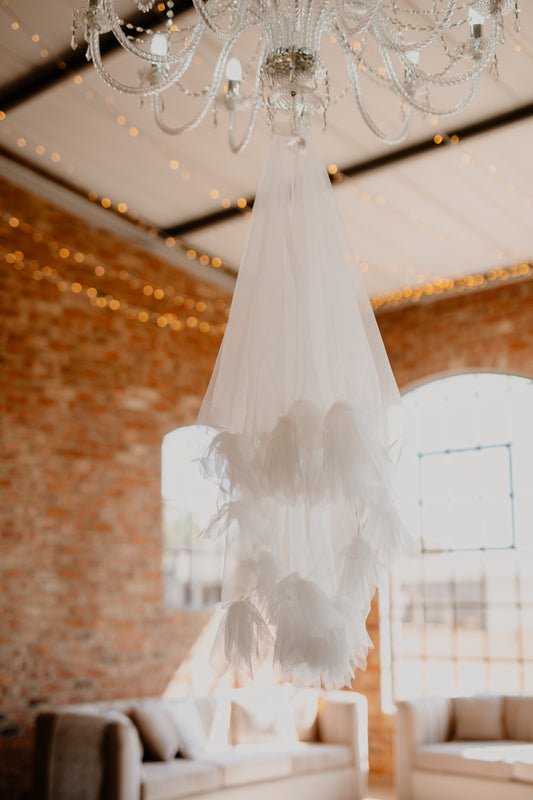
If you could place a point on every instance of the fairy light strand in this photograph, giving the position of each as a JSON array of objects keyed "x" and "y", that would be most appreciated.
[
  {"x": 169, "y": 320},
  {"x": 384, "y": 302},
  {"x": 204, "y": 259},
  {"x": 113, "y": 112},
  {"x": 72, "y": 255}
]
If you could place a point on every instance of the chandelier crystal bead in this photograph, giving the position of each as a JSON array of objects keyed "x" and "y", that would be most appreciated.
[{"x": 382, "y": 41}]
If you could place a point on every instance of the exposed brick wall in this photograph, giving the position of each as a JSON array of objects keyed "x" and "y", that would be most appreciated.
[
  {"x": 490, "y": 330},
  {"x": 86, "y": 396}
]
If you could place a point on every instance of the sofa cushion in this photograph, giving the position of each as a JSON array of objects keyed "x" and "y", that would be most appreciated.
[
  {"x": 156, "y": 728},
  {"x": 262, "y": 715},
  {"x": 479, "y": 717},
  {"x": 251, "y": 764},
  {"x": 314, "y": 757},
  {"x": 186, "y": 718},
  {"x": 178, "y": 778},
  {"x": 481, "y": 759},
  {"x": 518, "y": 714}
]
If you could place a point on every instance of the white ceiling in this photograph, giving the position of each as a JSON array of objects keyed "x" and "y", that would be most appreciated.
[{"x": 453, "y": 211}]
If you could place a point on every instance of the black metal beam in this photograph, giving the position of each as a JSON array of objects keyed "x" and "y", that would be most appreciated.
[
  {"x": 45, "y": 76},
  {"x": 467, "y": 132},
  {"x": 385, "y": 160},
  {"x": 208, "y": 220}
]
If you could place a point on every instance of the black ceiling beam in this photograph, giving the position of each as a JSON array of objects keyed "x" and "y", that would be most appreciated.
[
  {"x": 208, "y": 220},
  {"x": 467, "y": 132},
  {"x": 371, "y": 164},
  {"x": 39, "y": 79}
]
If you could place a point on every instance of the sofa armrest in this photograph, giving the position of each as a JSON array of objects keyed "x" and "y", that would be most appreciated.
[
  {"x": 343, "y": 719},
  {"x": 88, "y": 755},
  {"x": 427, "y": 720}
]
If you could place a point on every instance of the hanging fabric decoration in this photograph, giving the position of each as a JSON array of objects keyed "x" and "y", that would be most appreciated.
[{"x": 308, "y": 430}]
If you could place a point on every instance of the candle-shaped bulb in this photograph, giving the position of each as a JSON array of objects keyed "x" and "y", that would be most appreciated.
[
  {"x": 234, "y": 69},
  {"x": 159, "y": 44},
  {"x": 476, "y": 23}
]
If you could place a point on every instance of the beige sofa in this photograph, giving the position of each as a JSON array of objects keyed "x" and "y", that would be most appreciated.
[
  {"x": 465, "y": 748},
  {"x": 243, "y": 744}
]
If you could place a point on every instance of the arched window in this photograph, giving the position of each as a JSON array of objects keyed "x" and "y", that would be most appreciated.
[
  {"x": 192, "y": 566},
  {"x": 461, "y": 615}
]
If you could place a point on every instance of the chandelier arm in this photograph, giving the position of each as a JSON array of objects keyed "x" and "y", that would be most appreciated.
[
  {"x": 152, "y": 58},
  {"x": 308, "y": 20},
  {"x": 143, "y": 90},
  {"x": 213, "y": 89},
  {"x": 234, "y": 28},
  {"x": 384, "y": 39},
  {"x": 479, "y": 64},
  {"x": 237, "y": 148},
  {"x": 276, "y": 26},
  {"x": 320, "y": 26},
  {"x": 354, "y": 79},
  {"x": 367, "y": 20},
  {"x": 428, "y": 109}
]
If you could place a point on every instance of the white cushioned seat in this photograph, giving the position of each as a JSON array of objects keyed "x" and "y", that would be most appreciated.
[
  {"x": 242, "y": 744},
  {"x": 523, "y": 766},
  {"x": 481, "y": 759},
  {"x": 162, "y": 780},
  {"x": 319, "y": 757},
  {"x": 305, "y": 757},
  {"x": 251, "y": 764},
  {"x": 486, "y": 750}
]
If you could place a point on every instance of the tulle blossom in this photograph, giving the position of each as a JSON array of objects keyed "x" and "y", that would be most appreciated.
[{"x": 306, "y": 409}]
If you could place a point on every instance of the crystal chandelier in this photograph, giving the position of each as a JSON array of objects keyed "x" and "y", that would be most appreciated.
[{"x": 428, "y": 54}]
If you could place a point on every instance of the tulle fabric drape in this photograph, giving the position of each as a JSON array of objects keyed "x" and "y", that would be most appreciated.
[{"x": 308, "y": 427}]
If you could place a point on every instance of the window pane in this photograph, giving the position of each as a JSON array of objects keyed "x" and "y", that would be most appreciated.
[
  {"x": 503, "y": 633},
  {"x": 527, "y": 631},
  {"x": 526, "y": 577},
  {"x": 192, "y": 566},
  {"x": 409, "y": 678},
  {"x": 504, "y": 677},
  {"x": 438, "y": 580},
  {"x": 501, "y": 577},
  {"x": 440, "y": 677},
  {"x": 469, "y": 583},
  {"x": 440, "y": 639},
  {"x": 467, "y": 609},
  {"x": 471, "y": 633},
  {"x": 471, "y": 676},
  {"x": 528, "y": 678}
]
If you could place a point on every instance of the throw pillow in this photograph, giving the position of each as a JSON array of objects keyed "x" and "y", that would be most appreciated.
[
  {"x": 189, "y": 727},
  {"x": 262, "y": 715},
  {"x": 479, "y": 717},
  {"x": 156, "y": 729}
]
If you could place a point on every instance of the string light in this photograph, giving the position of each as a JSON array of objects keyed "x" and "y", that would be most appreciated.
[
  {"x": 440, "y": 236},
  {"x": 467, "y": 283},
  {"x": 49, "y": 274},
  {"x": 121, "y": 120},
  {"x": 90, "y": 260},
  {"x": 122, "y": 208},
  {"x": 204, "y": 259}
]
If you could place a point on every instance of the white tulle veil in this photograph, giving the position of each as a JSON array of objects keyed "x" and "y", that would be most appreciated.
[{"x": 307, "y": 413}]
